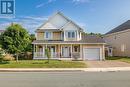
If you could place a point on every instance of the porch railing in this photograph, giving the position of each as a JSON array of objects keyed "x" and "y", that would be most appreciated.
[
  {"x": 76, "y": 55},
  {"x": 42, "y": 55},
  {"x": 55, "y": 55}
]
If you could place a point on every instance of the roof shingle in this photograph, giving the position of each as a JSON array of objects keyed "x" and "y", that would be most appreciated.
[
  {"x": 85, "y": 39},
  {"x": 122, "y": 27}
]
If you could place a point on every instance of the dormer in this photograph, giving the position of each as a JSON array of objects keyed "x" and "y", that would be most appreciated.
[{"x": 71, "y": 32}]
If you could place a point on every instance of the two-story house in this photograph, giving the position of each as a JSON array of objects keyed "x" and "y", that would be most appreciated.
[
  {"x": 66, "y": 41},
  {"x": 119, "y": 40}
]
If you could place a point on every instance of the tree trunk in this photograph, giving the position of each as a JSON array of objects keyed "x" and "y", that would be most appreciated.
[
  {"x": 17, "y": 57},
  {"x": 48, "y": 60}
]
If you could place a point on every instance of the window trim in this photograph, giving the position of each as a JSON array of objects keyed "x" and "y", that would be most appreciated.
[
  {"x": 71, "y": 34},
  {"x": 77, "y": 49},
  {"x": 49, "y": 37}
]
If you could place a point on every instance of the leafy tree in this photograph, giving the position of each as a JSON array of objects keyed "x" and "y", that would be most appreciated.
[
  {"x": 98, "y": 34},
  {"x": 32, "y": 37},
  {"x": 1, "y": 55},
  {"x": 15, "y": 39},
  {"x": 29, "y": 48}
]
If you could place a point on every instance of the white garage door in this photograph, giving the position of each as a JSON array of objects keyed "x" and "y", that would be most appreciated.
[{"x": 92, "y": 53}]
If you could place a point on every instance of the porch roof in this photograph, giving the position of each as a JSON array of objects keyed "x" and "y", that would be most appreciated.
[
  {"x": 43, "y": 30},
  {"x": 86, "y": 39}
]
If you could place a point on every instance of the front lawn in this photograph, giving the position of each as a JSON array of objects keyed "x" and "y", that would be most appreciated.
[
  {"x": 123, "y": 59},
  {"x": 43, "y": 64}
]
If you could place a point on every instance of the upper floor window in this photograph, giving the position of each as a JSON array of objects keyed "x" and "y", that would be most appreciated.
[
  {"x": 48, "y": 35},
  {"x": 71, "y": 34}
]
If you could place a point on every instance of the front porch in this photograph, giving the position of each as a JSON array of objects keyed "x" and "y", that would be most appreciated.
[{"x": 58, "y": 51}]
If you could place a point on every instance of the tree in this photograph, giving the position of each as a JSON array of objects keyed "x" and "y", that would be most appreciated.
[
  {"x": 29, "y": 48},
  {"x": 32, "y": 37},
  {"x": 97, "y": 34},
  {"x": 48, "y": 54},
  {"x": 1, "y": 55},
  {"x": 15, "y": 39}
]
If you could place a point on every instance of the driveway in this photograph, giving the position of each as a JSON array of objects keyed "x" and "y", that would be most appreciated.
[{"x": 106, "y": 64}]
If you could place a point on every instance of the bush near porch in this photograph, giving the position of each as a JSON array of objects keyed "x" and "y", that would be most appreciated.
[
  {"x": 123, "y": 59},
  {"x": 43, "y": 64}
]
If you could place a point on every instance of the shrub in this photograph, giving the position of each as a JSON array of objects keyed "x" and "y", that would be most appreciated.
[{"x": 8, "y": 57}]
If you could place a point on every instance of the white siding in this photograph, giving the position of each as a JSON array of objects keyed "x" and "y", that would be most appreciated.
[
  {"x": 48, "y": 26},
  {"x": 71, "y": 26},
  {"x": 58, "y": 21},
  {"x": 55, "y": 22}
]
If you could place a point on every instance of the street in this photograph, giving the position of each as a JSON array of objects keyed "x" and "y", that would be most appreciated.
[{"x": 64, "y": 79}]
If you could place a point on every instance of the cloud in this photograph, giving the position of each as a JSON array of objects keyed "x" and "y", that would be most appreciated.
[
  {"x": 80, "y": 1},
  {"x": 31, "y": 23},
  {"x": 82, "y": 25},
  {"x": 45, "y": 3}
]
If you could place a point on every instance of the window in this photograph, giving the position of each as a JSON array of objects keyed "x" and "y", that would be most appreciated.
[
  {"x": 123, "y": 47},
  {"x": 110, "y": 50},
  {"x": 75, "y": 48},
  {"x": 71, "y": 34},
  {"x": 48, "y": 35}
]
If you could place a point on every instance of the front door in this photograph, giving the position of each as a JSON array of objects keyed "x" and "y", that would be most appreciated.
[
  {"x": 66, "y": 51},
  {"x": 53, "y": 51}
]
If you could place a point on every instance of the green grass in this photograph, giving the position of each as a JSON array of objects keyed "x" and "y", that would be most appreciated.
[
  {"x": 42, "y": 64},
  {"x": 123, "y": 59}
]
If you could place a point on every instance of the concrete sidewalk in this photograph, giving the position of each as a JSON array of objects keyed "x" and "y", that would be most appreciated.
[{"x": 114, "y": 69}]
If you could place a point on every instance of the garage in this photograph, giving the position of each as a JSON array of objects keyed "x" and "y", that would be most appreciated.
[{"x": 91, "y": 53}]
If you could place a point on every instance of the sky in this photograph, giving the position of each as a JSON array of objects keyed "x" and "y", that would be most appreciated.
[{"x": 97, "y": 16}]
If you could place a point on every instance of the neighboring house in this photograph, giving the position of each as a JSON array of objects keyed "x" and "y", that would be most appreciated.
[
  {"x": 119, "y": 39},
  {"x": 66, "y": 41}
]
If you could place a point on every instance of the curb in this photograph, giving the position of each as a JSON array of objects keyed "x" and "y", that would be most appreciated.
[
  {"x": 40, "y": 70},
  {"x": 113, "y": 69}
]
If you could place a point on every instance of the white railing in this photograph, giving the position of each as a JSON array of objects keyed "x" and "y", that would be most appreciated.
[
  {"x": 42, "y": 55},
  {"x": 39, "y": 54},
  {"x": 54, "y": 55}
]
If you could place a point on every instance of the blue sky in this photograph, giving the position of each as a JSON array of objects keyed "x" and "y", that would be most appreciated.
[{"x": 98, "y": 16}]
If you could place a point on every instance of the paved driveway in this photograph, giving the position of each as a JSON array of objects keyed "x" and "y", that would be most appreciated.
[{"x": 106, "y": 64}]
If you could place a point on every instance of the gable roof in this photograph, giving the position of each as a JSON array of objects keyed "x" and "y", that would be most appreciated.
[
  {"x": 122, "y": 27},
  {"x": 86, "y": 39},
  {"x": 69, "y": 21}
]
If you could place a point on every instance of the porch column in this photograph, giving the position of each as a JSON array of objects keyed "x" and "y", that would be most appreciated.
[
  {"x": 71, "y": 50},
  {"x": 77, "y": 33},
  {"x": 34, "y": 51},
  {"x": 59, "y": 51},
  {"x": 64, "y": 36},
  {"x": 81, "y": 51},
  {"x": 43, "y": 54},
  {"x": 45, "y": 50},
  {"x": 103, "y": 55}
]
